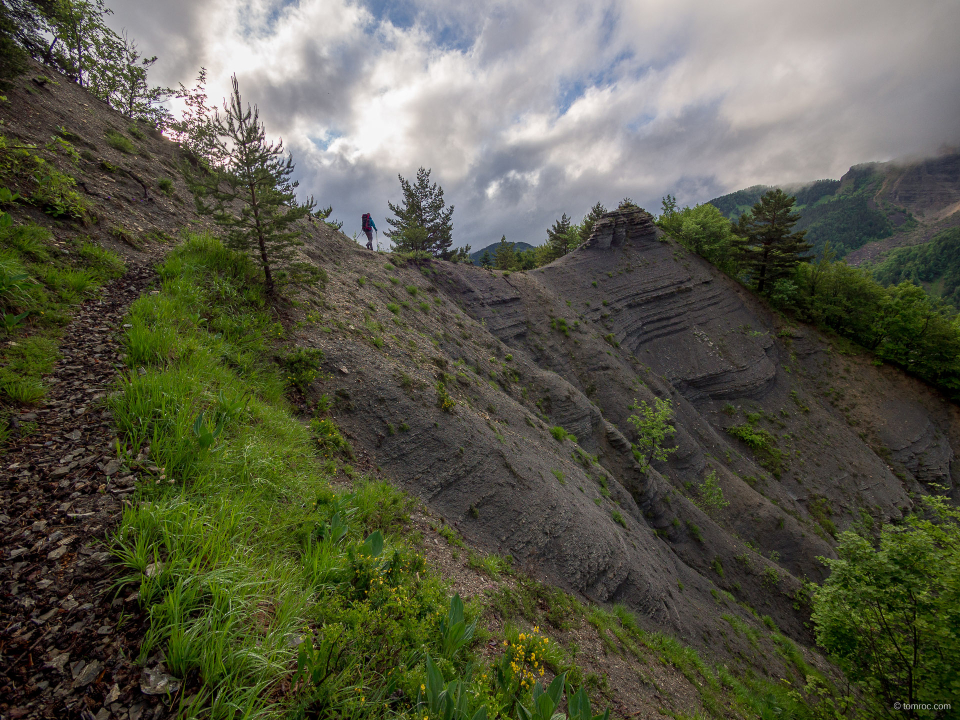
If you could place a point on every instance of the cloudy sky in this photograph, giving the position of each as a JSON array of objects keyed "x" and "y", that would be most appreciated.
[{"x": 526, "y": 110}]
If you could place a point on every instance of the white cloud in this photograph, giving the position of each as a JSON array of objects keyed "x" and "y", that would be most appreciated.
[{"x": 526, "y": 111}]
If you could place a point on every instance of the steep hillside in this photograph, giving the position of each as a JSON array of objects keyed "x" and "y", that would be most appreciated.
[
  {"x": 873, "y": 208},
  {"x": 500, "y": 400},
  {"x": 571, "y": 345}
]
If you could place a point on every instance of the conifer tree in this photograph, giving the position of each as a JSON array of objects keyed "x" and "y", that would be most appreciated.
[
  {"x": 422, "y": 207},
  {"x": 562, "y": 237},
  {"x": 506, "y": 258},
  {"x": 250, "y": 194},
  {"x": 589, "y": 220},
  {"x": 767, "y": 248},
  {"x": 559, "y": 228},
  {"x": 485, "y": 260}
]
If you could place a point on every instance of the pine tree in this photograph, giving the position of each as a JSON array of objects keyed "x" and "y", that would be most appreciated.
[
  {"x": 560, "y": 227},
  {"x": 485, "y": 260},
  {"x": 767, "y": 249},
  {"x": 255, "y": 175},
  {"x": 589, "y": 220},
  {"x": 506, "y": 258},
  {"x": 562, "y": 237},
  {"x": 422, "y": 206}
]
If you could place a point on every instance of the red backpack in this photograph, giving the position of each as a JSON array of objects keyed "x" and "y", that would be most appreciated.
[{"x": 366, "y": 222}]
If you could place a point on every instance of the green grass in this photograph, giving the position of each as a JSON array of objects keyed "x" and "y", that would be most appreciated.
[
  {"x": 492, "y": 565},
  {"x": 120, "y": 142},
  {"x": 248, "y": 561},
  {"x": 38, "y": 288}
]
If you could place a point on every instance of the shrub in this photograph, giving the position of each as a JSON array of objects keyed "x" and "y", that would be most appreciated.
[
  {"x": 711, "y": 494},
  {"x": 329, "y": 438},
  {"x": 653, "y": 426},
  {"x": 302, "y": 367},
  {"x": 444, "y": 401},
  {"x": 560, "y": 434},
  {"x": 560, "y": 325},
  {"x": 618, "y": 518},
  {"x": 888, "y": 609}
]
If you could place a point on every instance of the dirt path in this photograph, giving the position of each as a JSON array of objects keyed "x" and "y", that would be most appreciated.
[{"x": 67, "y": 644}]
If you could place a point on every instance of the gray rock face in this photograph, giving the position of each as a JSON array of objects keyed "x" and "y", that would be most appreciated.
[{"x": 629, "y": 316}]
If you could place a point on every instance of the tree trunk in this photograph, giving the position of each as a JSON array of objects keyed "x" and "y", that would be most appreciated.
[{"x": 260, "y": 240}]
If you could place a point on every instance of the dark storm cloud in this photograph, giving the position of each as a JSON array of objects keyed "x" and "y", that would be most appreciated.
[{"x": 525, "y": 111}]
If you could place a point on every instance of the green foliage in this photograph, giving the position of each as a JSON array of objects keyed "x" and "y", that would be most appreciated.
[
  {"x": 652, "y": 424},
  {"x": 844, "y": 218},
  {"x": 934, "y": 265},
  {"x": 36, "y": 292},
  {"x": 702, "y": 229},
  {"x": 40, "y": 183},
  {"x": 165, "y": 185},
  {"x": 560, "y": 434},
  {"x": 560, "y": 325},
  {"x": 900, "y": 324},
  {"x": 455, "y": 633},
  {"x": 506, "y": 256},
  {"x": 765, "y": 247},
  {"x": 118, "y": 141},
  {"x": 421, "y": 223},
  {"x": 302, "y": 367},
  {"x": 444, "y": 401},
  {"x": 763, "y": 445},
  {"x": 253, "y": 176},
  {"x": 195, "y": 130},
  {"x": 124, "y": 84},
  {"x": 618, "y": 518},
  {"x": 890, "y": 612},
  {"x": 711, "y": 498}
]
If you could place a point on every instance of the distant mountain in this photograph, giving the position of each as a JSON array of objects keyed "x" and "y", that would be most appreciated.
[
  {"x": 492, "y": 249},
  {"x": 873, "y": 208}
]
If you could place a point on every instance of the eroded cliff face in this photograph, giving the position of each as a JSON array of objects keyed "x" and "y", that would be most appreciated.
[{"x": 627, "y": 316}]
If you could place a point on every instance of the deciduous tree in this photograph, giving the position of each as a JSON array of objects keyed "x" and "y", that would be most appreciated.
[
  {"x": 652, "y": 423},
  {"x": 890, "y": 610}
]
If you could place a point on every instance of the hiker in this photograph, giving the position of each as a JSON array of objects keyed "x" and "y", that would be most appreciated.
[{"x": 368, "y": 227}]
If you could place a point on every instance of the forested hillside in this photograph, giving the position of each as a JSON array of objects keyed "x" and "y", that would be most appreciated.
[
  {"x": 934, "y": 265},
  {"x": 899, "y": 203}
]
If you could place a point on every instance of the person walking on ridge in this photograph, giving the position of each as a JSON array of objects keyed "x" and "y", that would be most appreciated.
[{"x": 368, "y": 227}]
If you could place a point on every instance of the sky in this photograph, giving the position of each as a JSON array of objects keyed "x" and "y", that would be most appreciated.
[{"x": 526, "y": 110}]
